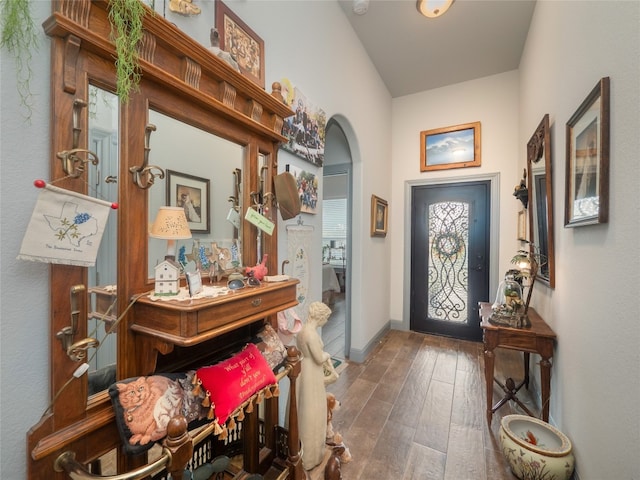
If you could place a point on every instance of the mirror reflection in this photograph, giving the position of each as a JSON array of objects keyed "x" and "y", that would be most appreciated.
[
  {"x": 540, "y": 204},
  {"x": 103, "y": 127},
  {"x": 204, "y": 177}
]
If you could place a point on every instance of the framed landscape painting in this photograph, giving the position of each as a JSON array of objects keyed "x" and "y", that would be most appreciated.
[
  {"x": 450, "y": 147},
  {"x": 587, "y": 174}
]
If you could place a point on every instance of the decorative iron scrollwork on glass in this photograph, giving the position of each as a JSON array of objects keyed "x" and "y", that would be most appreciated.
[{"x": 448, "y": 265}]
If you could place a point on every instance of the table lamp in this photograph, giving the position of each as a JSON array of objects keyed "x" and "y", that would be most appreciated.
[
  {"x": 170, "y": 225},
  {"x": 528, "y": 262}
]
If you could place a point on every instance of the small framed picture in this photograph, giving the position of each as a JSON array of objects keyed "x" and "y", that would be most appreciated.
[
  {"x": 522, "y": 225},
  {"x": 192, "y": 194},
  {"x": 379, "y": 216},
  {"x": 240, "y": 41},
  {"x": 587, "y": 173},
  {"x": 194, "y": 281},
  {"x": 450, "y": 147}
]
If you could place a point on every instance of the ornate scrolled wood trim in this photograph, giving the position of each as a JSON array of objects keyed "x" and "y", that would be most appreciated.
[
  {"x": 228, "y": 94},
  {"x": 535, "y": 146},
  {"x": 71, "y": 52},
  {"x": 256, "y": 111},
  {"x": 76, "y": 10},
  {"x": 191, "y": 72},
  {"x": 147, "y": 47},
  {"x": 276, "y": 123},
  {"x": 94, "y": 33}
]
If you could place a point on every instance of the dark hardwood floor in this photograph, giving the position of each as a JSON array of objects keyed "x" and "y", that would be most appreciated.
[
  {"x": 333, "y": 331},
  {"x": 415, "y": 409}
]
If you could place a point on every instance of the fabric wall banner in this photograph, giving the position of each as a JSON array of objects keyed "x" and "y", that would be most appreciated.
[
  {"x": 299, "y": 247},
  {"x": 66, "y": 227}
]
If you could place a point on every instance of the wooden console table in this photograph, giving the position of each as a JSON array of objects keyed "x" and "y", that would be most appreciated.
[
  {"x": 538, "y": 338},
  {"x": 160, "y": 325}
]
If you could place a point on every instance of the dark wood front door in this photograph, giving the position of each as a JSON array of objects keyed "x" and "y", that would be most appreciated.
[{"x": 449, "y": 258}]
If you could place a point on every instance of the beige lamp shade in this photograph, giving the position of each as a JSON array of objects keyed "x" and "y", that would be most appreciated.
[{"x": 170, "y": 224}]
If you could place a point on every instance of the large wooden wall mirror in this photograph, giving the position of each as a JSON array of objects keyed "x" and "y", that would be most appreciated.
[
  {"x": 541, "y": 200},
  {"x": 194, "y": 97}
]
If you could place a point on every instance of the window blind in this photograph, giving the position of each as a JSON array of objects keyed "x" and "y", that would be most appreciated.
[{"x": 334, "y": 218}]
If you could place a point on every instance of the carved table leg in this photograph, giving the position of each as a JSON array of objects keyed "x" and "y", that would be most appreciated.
[
  {"x": 489, "y": 364},
  {"x": 545, "y": 380}
]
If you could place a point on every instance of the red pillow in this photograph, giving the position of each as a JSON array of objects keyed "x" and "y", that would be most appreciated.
[{"x": 230, "y": 383}]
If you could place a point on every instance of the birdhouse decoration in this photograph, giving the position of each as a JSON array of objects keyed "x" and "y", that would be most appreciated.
[{"x": 167, "y": 277}]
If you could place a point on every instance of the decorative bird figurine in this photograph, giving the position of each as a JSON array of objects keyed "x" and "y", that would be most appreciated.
[
  {"x": 260, "y": 270},
  {"x": 214, "y": 37}
]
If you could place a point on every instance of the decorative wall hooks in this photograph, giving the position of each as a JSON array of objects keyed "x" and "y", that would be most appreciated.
[
  {"x": 76, "y": 351},
  {"x": 72, "y": 164},
  {"x": 237, "y": 182},
  {"x": 143, "y": 176}
]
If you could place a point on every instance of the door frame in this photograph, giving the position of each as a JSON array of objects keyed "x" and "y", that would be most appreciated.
[
  {"x": 346, "y": 169},
  {"x": 494, "y": 231}
]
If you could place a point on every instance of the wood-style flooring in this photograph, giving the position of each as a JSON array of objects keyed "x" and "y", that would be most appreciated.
[
  {"x": 415, "y": 409},
  {"x": 333, "y": 330}
]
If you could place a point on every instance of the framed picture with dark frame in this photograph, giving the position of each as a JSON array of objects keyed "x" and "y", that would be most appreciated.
[
  {"x": 240, "y": 41},
  {"x": 450, "y": 147},
  {"x": 379, "y": 216},
  {"x": 587, "y": 172},
  {"x": 192, "y": 194}
]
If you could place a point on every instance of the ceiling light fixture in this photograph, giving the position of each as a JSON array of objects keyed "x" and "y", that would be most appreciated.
[
  {"x": 360, "y": 7},
  {"x": 433, "y": 8}
]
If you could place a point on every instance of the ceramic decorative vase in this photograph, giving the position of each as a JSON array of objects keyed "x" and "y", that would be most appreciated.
[{"x": 535, "y": 449}]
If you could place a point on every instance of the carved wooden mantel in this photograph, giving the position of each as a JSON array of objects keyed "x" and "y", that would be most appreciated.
[{"x": 200, "y": 74}]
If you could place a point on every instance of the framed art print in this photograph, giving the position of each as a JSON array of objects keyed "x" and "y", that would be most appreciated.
[
  {"x": 587, "y": 172},
  {"x": 522, "y": 225},
  {"x": 379, "y": 216},
  {"x": 450, "y": 147},
  {"x": 192, "y": 194},
  {"x": 240, "y": 41}
]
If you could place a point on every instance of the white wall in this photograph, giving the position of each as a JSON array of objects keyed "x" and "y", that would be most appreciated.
[
  {"x": 493, "y": 101},
  {"x": 330, "y": 68},
  {"x": 24, "y": 287},
  {"x": 594, "y": 308},
  {"x": 333, "y": 70}
]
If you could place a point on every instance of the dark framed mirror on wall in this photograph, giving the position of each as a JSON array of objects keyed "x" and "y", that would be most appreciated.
[{"x": 539, "y": 169}]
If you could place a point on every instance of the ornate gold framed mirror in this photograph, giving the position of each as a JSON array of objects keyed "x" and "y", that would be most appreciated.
[{"x": 539, "y": 169}]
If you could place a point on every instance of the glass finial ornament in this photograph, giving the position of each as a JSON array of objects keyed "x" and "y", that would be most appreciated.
[
  {"x": 508, "y": 307},
  {"x": 509, "y": 294}
]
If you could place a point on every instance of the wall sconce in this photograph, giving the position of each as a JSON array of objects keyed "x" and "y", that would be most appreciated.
[
  {"x": 433, "y": 8},
  {"x": 521, "y": 192}
]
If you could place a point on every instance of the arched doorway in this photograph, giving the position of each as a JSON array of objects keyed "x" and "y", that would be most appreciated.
[{"x": 336, "y": 238}]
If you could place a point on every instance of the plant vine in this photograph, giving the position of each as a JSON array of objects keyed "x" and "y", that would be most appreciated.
[
  {"x": 18, "y": 36},
  {"x": 126, "y": 17}
]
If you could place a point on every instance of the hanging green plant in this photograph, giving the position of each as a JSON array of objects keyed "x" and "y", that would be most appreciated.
[
  {"x": 19, "y": 38},
  {"x": 126, "y": 17}
]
